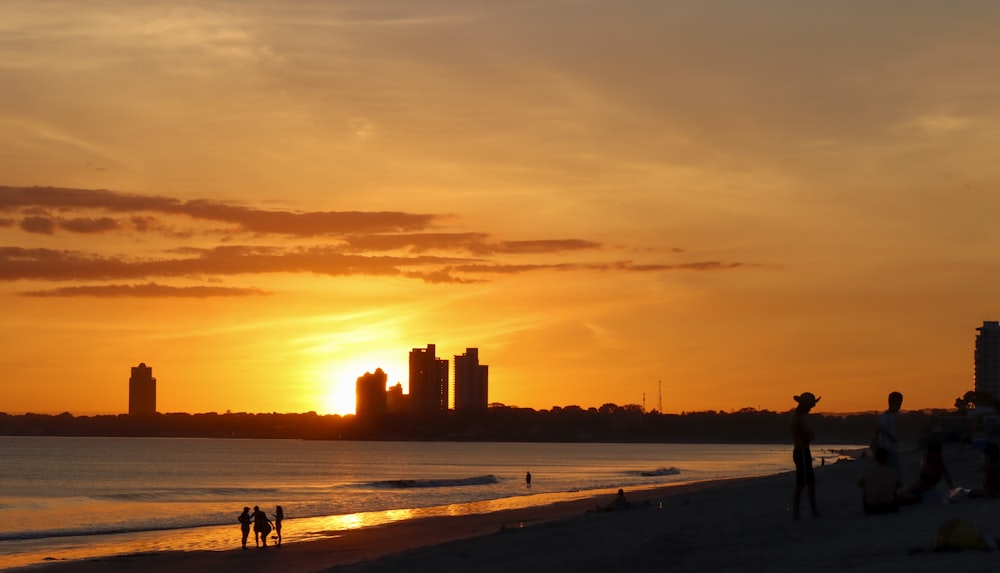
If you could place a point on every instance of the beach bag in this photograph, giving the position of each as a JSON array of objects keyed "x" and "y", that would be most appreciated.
[
  {"x": 265, "y": 529},
  {"x": 957, "y": 535}
]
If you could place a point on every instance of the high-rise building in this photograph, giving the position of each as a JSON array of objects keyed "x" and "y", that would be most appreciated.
[
  {"x": 371, "y": 395},
  {"x": 395, "y": 401},
  {"x": 471, "y": 382},
  {"x": 428, "y": 381},
  {"x": 988, "y": 358},
  {"x": 142, "y": 391}
]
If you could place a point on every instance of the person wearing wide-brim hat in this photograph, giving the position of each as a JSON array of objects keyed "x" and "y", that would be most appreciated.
[{"x": 802, "y": 436}]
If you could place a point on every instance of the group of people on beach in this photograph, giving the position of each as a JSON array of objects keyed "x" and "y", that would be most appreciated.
[
  {"x": 880, "y": 485},
  {"x": 262, "y": 525}
]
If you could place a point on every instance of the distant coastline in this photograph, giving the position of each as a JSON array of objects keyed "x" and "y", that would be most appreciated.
[{"x": 499, "y": 424}]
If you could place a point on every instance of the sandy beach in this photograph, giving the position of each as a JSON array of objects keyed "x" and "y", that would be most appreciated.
[{"x": 714, "y": 526}]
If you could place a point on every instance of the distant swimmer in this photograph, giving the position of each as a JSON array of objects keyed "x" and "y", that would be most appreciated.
[{"x": 527, "y": 480}]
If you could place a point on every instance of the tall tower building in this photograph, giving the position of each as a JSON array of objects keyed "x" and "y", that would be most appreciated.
[
  {"x": 395, "y": 401},
  {"x": 988, "y": 358},
  {"x": 142, "y": 391},
  {"x": 471, "y": 382},
  {"x": 371, "y": 394},
  {"x": 428, "y": 381}
]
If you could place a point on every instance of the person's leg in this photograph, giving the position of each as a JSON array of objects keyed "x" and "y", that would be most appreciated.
[
  {"x": 811, "y": 487},
  {"x": 800, "y": 481}
]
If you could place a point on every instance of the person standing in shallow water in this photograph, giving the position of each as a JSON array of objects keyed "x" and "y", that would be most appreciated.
[
  {"x": 279, "y": 514},
  {"x": 802, "y": 436},
  {"x": 245, "y": 520},
  {"x": 261, "y": 526},
  {"x": 527, "y": 480}
]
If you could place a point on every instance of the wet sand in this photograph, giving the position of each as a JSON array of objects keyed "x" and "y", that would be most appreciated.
[{"x": 712, "y": 526}]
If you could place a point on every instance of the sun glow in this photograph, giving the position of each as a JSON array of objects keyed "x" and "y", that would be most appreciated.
[{"x": 339, "y": 380}]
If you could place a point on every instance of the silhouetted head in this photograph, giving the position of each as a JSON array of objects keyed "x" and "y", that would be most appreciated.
[
  {"x": 246, "y": 509},
  {"x": 806, "y": 400},
  {"x": 621, "y": 491},
  {"x": 255, "y": 508},
  {"x": 895, "y": 400}
]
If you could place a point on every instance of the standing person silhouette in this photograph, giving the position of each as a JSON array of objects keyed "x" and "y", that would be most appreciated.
[
  {"x": 279, "y": 514},
  {"x": 245, "y": 520},
  {"x": 802, "y": 436},
  {"x": 527, "y": 480},
  {"x": 261, "y": 526},
  {"x": 886, "y": 435}
]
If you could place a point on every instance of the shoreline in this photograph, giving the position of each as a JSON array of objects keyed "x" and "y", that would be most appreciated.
[
  {"x": 716, "y": 525},
  {"x": 327, "y": 546}
]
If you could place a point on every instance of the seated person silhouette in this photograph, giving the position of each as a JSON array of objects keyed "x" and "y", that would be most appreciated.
[
  {"x": 879, "y": 485},
  {"x": 991, "y": 473},
  {"x": 932, "y": 471},
  {"x": 619, "y": 502}
]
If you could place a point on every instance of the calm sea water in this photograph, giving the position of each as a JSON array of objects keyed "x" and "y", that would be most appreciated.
[{"x": 70, "y": 498}]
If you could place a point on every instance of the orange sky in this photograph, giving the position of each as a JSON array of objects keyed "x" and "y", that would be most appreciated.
[{"x": 264, "y": 200}]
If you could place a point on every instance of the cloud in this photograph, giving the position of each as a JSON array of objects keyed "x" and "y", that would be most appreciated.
[
  {"x": 247, "y": 219},
  {"x": 539, "y": 246},
  {"x": 18, "y": 263},
  {"x": 627, "y": 266},
  {"x": 148, "y": 290},
  {"x": 474, "y": 243},
  {"x": 38, "y": 225},
  {"x": 48, "y": 264},
  {"x": 348, "y": 243},
  {"x": 84, "y": 225}
]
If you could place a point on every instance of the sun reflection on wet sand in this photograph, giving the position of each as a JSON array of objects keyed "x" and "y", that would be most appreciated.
[{"x": 226, "y": 537}]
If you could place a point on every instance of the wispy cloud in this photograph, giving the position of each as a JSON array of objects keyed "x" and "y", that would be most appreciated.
[
  {"x": 63, "y": 265},
  {"x": 474, "y": 243},
  {"x": 247, "y": 219},
  {"x": 350, "y": 243},
  {"x": 82, "y": 225},
  {"x": 147, "y": 290}
]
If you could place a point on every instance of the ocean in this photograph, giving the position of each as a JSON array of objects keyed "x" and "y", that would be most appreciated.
[{"x": 78, "y": 497}]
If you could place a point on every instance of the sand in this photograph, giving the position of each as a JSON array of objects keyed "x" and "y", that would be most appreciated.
[{"x": 715, "y": 526}]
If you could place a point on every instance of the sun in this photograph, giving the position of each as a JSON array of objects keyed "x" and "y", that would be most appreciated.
[{"x": 339, "y": 380}]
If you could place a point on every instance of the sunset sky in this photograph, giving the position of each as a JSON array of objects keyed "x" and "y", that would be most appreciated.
[{"x": 263, "y": 200}]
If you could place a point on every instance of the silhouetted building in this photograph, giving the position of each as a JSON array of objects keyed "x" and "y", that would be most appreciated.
[
  {"x": 988, "y": 358},
  {"x": 428, "y": 382},
  {"x": 141, "y": 391},
  {"x": 371, "y": 395},
  {"x": 471, "y": 382},
  {"x": 396, "y": 401}
]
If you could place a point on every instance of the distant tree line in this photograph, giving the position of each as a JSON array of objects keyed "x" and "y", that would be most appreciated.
[{"x": 609, "y": 423}]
